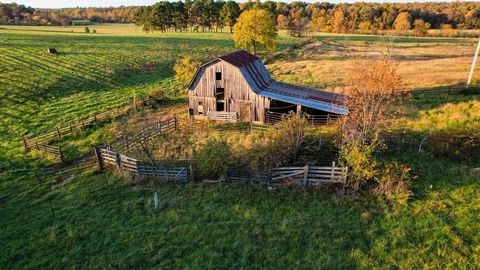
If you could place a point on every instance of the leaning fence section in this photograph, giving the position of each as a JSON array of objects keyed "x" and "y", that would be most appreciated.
[
  {"x": 305, "y": 176},
  {"x": 51, "y": 150},
  {"x": 131, "y": 166},
  {"x": 150, "y": 132}
]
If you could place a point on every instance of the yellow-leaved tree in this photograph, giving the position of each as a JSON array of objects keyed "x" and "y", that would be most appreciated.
[
  {"x": 184, "y": 70},
  {"x": 255, "y": 27}
]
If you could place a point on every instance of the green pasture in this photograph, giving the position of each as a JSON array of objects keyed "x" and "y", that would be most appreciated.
[{"x": 101, "y": 221}]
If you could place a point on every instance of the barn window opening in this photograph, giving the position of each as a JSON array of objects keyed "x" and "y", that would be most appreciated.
[
  {"x": 200, "y": 107},
  {"x": 218, "y": 76}
]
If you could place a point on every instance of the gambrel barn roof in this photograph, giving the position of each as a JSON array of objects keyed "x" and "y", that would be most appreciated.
[{"x": 259, "y": 79}]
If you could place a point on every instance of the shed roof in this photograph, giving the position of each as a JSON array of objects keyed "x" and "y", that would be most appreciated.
[{"x": 259, "y": 79}]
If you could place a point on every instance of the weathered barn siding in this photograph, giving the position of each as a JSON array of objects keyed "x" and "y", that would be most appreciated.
[{"x": 237, "y": 91}]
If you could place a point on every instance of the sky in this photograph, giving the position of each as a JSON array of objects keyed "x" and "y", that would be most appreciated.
[{"x": 116, "y": 3}]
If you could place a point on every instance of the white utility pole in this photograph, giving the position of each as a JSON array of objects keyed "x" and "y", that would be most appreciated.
[{"x": 470, "y": 77}]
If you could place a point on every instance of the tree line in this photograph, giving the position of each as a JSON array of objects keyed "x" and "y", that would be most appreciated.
[
  {"x": 296, "y": 17},
  {"x": 21, "y": 14}
]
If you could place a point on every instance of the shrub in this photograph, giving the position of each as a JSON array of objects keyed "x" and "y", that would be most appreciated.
[
  {"x": 361, "y": 164},
  {"x": 457, "y": 144},
  {"x": 86, "y": 29},
  {"x": 292, "y": 134},
  {"x": 94, "y": 31},
  {"x": 213, "y": 158},
  {"x": 393, "y": 181}
]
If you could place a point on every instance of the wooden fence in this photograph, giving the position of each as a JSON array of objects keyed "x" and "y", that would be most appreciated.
[
  {"x": 306, "y": 176},
  {"x": 40, "y": 143},
  {"x": 272, "y": 118},
  {"x": 132, "y": 166},
  {"x": 222, "y": 116},
  {"x": 447, "y": 90},
  {"x": 148, "y": 133},
  {"x": 52, "y": 150}
]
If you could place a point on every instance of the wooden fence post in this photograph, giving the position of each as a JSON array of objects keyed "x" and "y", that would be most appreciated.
[
  {"x": 118, "y": 159},
  {"x": 71, "y": 128},
  {"x": 98, "y": 154},
  {"x": 58, "y": 132},
  {"x": 61, "y": 154},
  {"x": 333, "y": 170},
  {"x": 305, "y": 175},
  {"x": 25, "y": 144},
  {"x": 95, "y": 118},
  {"x": 175, "y": 121},
  {"x": 127, "y": 145},
  {"x": 159, "y": 126}
]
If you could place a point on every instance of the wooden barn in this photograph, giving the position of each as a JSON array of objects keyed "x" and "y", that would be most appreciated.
[{"x": 237, "y": 86}]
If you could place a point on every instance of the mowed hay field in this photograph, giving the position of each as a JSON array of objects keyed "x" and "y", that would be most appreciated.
[
  {"x": 423, "y": 62},
  {"x": 100, "y": 221}
]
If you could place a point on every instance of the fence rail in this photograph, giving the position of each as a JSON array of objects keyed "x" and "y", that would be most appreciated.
[{"x": 134, "y": 167}]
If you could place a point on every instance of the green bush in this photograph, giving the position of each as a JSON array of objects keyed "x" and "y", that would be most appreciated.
[
  {"x": 86, "y": 29},
  {"x": 213, "y": 158}
]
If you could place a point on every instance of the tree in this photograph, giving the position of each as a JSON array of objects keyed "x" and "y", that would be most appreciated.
[
  {"x": 230, "y": 13},
  {"x": 291, "y": 131},
  {"x": 421, "y": 28},
  {"x": 402, "y": 22},
  {"x": 375, "y": 87},
  {"x": 184, "y": 69},
  {"x": 255, "y": 27}
]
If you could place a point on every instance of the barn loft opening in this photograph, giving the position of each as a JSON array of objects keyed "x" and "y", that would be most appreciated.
[{"x": 218, "y": 76}]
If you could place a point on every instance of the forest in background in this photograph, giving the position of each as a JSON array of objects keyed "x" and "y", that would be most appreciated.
[{"x": 296, "y": 17}]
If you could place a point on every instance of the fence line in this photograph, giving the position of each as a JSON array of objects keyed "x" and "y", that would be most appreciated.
[
  {"x": 445, "y": 90},
  {"x": 40, "y": 143}
]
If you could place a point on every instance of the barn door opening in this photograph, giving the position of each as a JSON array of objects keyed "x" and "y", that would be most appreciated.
[
  {"x": 245, "y": 111},
  {"x": 220, "y": 96}
]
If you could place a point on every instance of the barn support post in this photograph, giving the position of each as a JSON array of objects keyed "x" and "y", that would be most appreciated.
[
  {"x": 99, "y": 157},
  {"x": 299, "y": 109}
]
